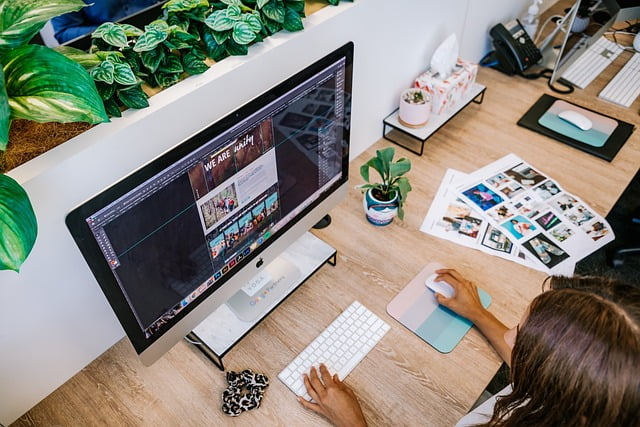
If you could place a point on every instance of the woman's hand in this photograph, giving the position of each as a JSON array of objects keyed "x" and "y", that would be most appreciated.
[
  {"x": 466, "y": 301},
  {"x": 333, "y": 399}
]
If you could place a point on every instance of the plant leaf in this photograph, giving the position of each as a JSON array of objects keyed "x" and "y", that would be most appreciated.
[
  {"x": 184, "y": 5},
  {"x": 292, "y": 21},
  {"x": 112, "y": 106},
  {"x": 260, "y": 4},
  {"x": 112, "y": 34},
  {"x": 104, "y": 72},
  {"x": 18, "y": 225},
  {"x": 151, "y": 59},
  {"x": 166, "y": 79},
  {"x": 170, "y": 64},
  {"x": 123, "y": 74},
  {"x": 253, "y": 20},
  {"x": 20, "y": 20},
  {"x": 43, "y": 85},
  {"x": 5, "y": 121},
  {"x": 242, "y": 33},
  {"x": 297, "y": 5},
  {"x": 106, "y": 91},
  {"x": 219, "y": 21},
  {"x": 214, "y": 49},
  {"x": 236, "y": 49},
  {"x": 87, "y": 60},
  {"x": 133, "y": 97},
  {"x": 151, "y": 38},
  {"x": 192, "y": 64},
  {"x": 399, "y": 168},
  {"x": 131, "y": 30},
  {"x": 274, "y": 10}
]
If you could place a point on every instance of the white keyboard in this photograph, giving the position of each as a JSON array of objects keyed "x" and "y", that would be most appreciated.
[
  {"x": 592, "y": 62},
  {"x": 624, "y": 88},
  {"x": 341, "y": 346}
]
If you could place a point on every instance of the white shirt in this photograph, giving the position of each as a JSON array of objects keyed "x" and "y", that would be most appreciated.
[{"x": 483, "y": 413}]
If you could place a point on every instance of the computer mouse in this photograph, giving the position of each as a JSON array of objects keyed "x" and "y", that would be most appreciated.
[
  {"x": 636, "y": 43},
  {"x": 576, "y": 119},
  {"x": 440, "y": 287}
]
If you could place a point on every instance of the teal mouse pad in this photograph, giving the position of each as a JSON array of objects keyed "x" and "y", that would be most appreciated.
[
  {"x": 597, "y": 136},
  {"x": 416, "y": 308}
]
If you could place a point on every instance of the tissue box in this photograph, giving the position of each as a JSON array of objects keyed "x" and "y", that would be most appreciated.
[{"x": 446, "y": 93}]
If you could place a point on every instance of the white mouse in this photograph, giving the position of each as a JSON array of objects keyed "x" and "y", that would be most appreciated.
[
  {"x": 636, "y": 42},
  {"x": 576, "y": 119},
  {"x": 440, "y": 287}
]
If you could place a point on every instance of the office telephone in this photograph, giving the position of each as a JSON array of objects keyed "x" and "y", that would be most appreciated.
[{"x": 514, "y": 52}]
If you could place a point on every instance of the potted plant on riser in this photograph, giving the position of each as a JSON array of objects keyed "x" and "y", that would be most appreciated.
[
  {"x": 384, "y": 200},
  {"x": 414, "y": 108}
]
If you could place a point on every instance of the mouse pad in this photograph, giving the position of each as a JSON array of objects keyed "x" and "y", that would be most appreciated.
[
  {"x": 606, "y": 150},
  {"x": 601, "y": 130},
  {"x": 416, "y": 308}
]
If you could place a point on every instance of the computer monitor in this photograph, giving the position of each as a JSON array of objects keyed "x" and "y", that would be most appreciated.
[
  {"x": 175, "y": 239},
  {"x": 577, "y": 36}
]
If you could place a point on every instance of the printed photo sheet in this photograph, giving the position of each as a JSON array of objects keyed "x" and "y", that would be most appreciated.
[
  {"x": 555, "y": 228},
  {"x": 451, "y": 218}
]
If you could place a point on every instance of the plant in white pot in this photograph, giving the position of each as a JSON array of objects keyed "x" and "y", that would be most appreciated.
[
  {"x": 414, "y": 108},
  {"x": 385, "y": 199}
]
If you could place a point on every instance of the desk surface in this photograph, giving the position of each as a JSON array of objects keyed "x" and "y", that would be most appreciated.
[{"x": 403, "y": 381}]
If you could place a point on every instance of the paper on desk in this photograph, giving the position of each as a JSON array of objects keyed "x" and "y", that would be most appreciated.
[
  {"x": 555, "y": 228},
  {"x": 450, "y": 218}
]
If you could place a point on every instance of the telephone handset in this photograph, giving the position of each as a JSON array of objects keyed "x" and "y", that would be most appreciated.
[{"x": 515, "y": 52}]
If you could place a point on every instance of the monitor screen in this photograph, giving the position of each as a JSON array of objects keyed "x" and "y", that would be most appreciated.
[{"x": 175, "y": 233}]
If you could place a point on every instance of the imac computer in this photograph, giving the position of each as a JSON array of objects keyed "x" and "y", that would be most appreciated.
[
  {"x": 579, "y": 29},
  {"x": 175, "y": 239}
]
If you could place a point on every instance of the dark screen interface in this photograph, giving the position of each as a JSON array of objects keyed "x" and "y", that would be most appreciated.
[{"x": 176, "y": 235}]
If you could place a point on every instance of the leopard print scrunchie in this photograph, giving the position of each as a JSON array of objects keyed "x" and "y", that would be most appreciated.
[{"x": 245, "y": 392}]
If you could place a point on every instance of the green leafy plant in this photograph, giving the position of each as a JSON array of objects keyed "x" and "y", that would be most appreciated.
[
  {"x": 18, "y": 226},
  {"x": 392, "y": 175}
]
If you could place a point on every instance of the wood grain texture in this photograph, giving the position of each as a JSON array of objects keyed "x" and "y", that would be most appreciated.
[{"x": 403, "y": 381}]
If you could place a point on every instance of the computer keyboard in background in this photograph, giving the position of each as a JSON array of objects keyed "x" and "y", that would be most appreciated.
[
  {"x": 624, "y": 88},
  {"x": 592, "y": 62},
  {"x": 341, "y": 346}
]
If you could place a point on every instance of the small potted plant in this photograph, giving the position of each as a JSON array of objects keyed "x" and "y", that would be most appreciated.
[
  {"x": 384, "y": 200},
  {"x": 414, "y": 108}
]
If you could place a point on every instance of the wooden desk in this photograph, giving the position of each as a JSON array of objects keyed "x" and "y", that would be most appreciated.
[{"x": 403, "y": 381}]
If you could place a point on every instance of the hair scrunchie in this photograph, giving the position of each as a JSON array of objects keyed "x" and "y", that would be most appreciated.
[{"x": 245, "y": 392}]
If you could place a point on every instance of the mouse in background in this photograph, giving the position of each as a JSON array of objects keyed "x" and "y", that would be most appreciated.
[
  {"x": 636, "y": 43},
  {"x": 441, "y": 287},
  {"x": 576, "y": 119}
]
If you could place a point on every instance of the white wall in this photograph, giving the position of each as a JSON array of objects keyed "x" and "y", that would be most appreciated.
[{"x": 55, "y": 319}]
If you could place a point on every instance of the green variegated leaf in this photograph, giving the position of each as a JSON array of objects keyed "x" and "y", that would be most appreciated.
[
  {"x": 219, "y": 21},
  {"x": 123, "y": 74},
  {"x": 271, "y": 26},
  {"x": 131, "y": 31},
  {"x": 292, "y": 21},
  {"x": 44, "y": 86},
  {"x": 242, "y": 33},
  {"x": 151, "y": 38},
  {"x": 232, "y": 2},
  {"x": 20, "y": 20},
  {"x": 260, "y": 3},
  {"x": 158, "y": 24},
  {"x": 296, "y": 5},
  {"x": 192, "y": 64},
  {"x": 87, "y": 60},
  {"x": 133, "y": 97},
  {"x": 274, "y": 10},
  {"x": 113, "y": 56},
  {"x": 253, "y": 20},
  {"x": 151, "y": 59},
  {"x": 171, "y": 64},
  {"x": 112, "y": 106},
  {"x": 214, "y": 50},
  {"x": 236, "y": 49},
  {"x": 18, "y": 225},
  {"x": 184, "y": 5},
  {"x": 221, "y": 36},
  {"x": 106, "y": 91},
  {"x": 5, "y": 121},
  {"x": 104, "y": 72},
  {"x": 234, "y": 12},
  {"x": 334, "y": 3},
  {"x": 111, "y": 33}
]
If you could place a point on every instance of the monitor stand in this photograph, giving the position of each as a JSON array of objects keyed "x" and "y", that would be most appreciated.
[{"x": 219, "y": 332}]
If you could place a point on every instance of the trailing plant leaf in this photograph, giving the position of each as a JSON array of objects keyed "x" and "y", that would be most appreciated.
[
  {"x": 133, "y": 97},
  {"x": 18, "y": 225},
  {"x": 292, "y": 21},
  {"x": 87, "y": 60},
  {"x": 43, "y": 85},
  {"x": 20, "y": 20},
  {"x": 111, "y": 33}
]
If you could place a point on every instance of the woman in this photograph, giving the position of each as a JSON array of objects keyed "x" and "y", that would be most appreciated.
[{"x": 574, "y": 358}]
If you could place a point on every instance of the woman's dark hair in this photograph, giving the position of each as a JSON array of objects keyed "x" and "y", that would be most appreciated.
[{"x": 576, "y": 359}]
